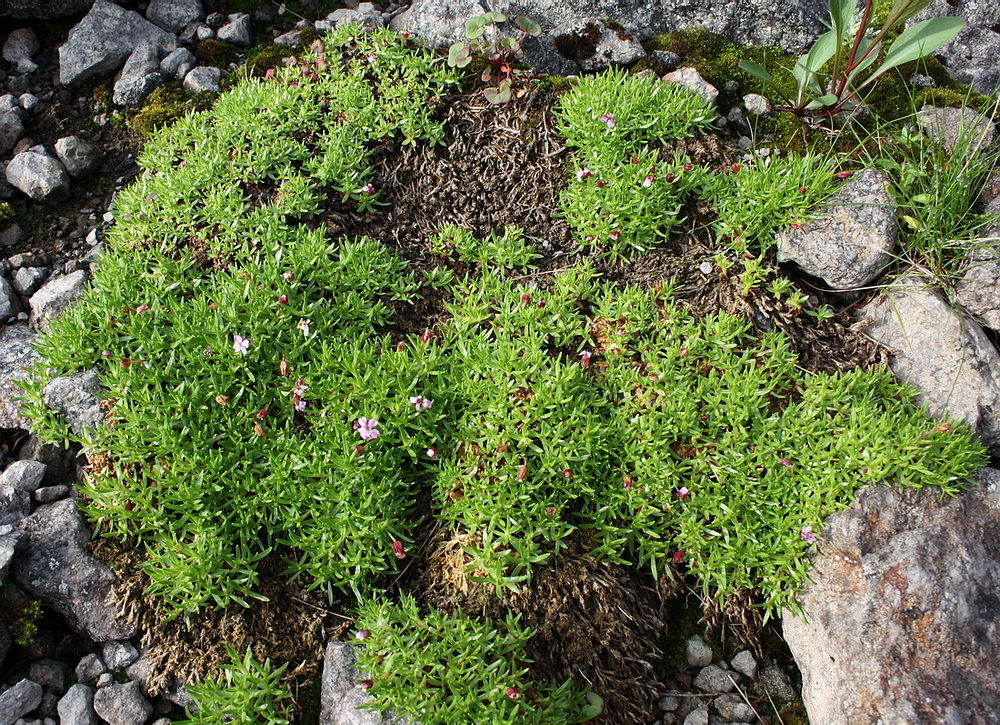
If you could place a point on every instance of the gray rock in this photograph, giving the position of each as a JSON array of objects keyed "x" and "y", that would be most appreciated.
[
  {"x": 119, "y": 655},
  {"x": 10, "y": 303},
  {"x": 42, "y": 9},
  {"x": 139, "y": 77},
  {"x": 102, "y": 41},
  {"x": 668, "y": 703},
  {"x": 12, "y": 235},
  {"x": 745, "y": 664},
  {"x": 698, "y": 716},
  {"x": 595, "y": 44},
  {"x": 178, "y": 63},
  {"x": 714, "y": 679},
  {"x": 341, "y": 695},
  {"x": 216, "y": 20},
  {"x": 9, "y": 536},
  {"x": 978, "y": 289},
  {"x": 292, "y": 37},
  {"x": 49, "y": 673},
  {"x": 38, "y": 175},
  {"x": 77, "y": 398},
  {"x": 90, "y": 668},
  {"x": 900, "y": 611},
  {"x": 756, "y": 104},
  {"x": 851, "y": 240},
  {"x": 48, "y": 494},
  {"x": 8, "y": 102},
  {"x": 732, "y": 707},
  {"x": 5, "y": 641},
  {"x": 195, "y": 33},
  {"x": 27, "y": 280},
  {"x": 774, "y": 682},
  {"x": 174, "y": 15},
  {"x": 177, "y": 693},
  {"x": 791, "y": 26},
  {"x": 122, "y": 704},
  {"x": 20, "y": 45},
  {"x": 668, "y": 60},
  {"x": 16, "y": 357},
  {"x": 80, "y": 157},
  {"x": 140, "y": 672},
  {"x": 11, "y": 130},
  {"x": 28, "y": 101},
  {"x": 972, "y": 56},
  {"x": 946, "y": 357},
  {"x": 23, "y": 475},
  {"x": 957, "y": 128},
  {"x": 77, "y": 707},
  {"x": 105, "y": 680},
  {"x": 699, "y": 654},
  {"x": 55, "y": 297},
  {"x": 55, "y": 567},
  {"x": 364, "y": 15},
  {"x": 237, "y": 30},
  {"x": 19, "y": 700},
  {"x": 691, "y": 79},
  {"x": 203, "y": 79},
  {"x": 14, "y": 506}
]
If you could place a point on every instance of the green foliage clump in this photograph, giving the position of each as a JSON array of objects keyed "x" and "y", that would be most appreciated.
[
  {"x": 449, "y": 668},
  {"x": 754, "y": 200},
  {"x": 214, "y": 52},
  {"x": 250, "y": 693},
  {"x": 504, "y": 250},
  {"x": 626, "y": 196},
  {"x": 217, "y": 457},
  {"x": 6, "y": 212},
  {"x": 24, "y": 624}
]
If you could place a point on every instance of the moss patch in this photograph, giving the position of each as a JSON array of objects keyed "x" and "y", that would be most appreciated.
[{"x": 165, "y": 105}]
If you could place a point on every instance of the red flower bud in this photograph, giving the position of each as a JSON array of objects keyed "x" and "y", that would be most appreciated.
[
  {"x": 400, "y": 346},
  {"x": 627, "y": 482},
  {"x": 678, "y": 556},
  {"x": 261, "y": 414},
  {"x": 283, "y": 300},
  {"x": 670, "y": 178},
  {"x": 512, "y": 693},
  {"x": 398, "y": 549},
  {"x": 688, "y": 167},
  {"x": 525, "y": 298},
  {"x": 425, "y": 338},
  {"x": 568, "y": 473},
  {"x": 359, "y": 451},
  {"x": 735, "y": 168}
]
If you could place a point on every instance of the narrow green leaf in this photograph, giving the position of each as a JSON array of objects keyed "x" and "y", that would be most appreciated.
[
  {"x": 918, "y": 41},
  {"x": 757, "y": 71}
]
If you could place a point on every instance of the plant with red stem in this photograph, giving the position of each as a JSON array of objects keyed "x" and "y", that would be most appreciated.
[{"x": 499, "y": 54}]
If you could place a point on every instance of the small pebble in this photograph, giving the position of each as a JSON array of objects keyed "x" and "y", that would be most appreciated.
[
  {"x": 706, "y": 268},
  {"x": 745, "y": 664},
  {"x": 699, "y": 654},
  {"x": 48, "y": 494}
]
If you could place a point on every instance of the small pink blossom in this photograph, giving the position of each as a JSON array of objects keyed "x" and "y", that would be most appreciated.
[
  {"x": 142, "y": 308},
  {"x": 512, "y": 693},
  {"x": 608, "y": 120},
  {"x": 432, "y": 453},
  {"x": 682, "y": 493},
  {"x": 419, "y": 402},
  {"x": 806, "y": 534},
  {"x": 785, "y": 462},
  {"x": 648, "y": 181},
  {"x": 269, "y": 74},
  {"x": 367, "y": 428},
  {"x": 241, "y": 344},
  {"x": 105, "y": 353},
  {"x": 304, "y": 326},
  {"x": 398, "y": 549},
  {"x": 363, "y": 634},
  {"x": 372, "y": 57},
  {"x": 583, "y": 173},
  {"x": 425, "y": 338},
  {"x": 585, "y": 358},
  {"x": 400, "y": 346},
  {"x": 368, "y": 189},
  {"x": 300, "y": 404}
]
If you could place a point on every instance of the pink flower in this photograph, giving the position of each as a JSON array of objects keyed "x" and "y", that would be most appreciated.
[
  {"x": 583, "y": 173},
  {"x": 785, "y": 462},
  {"x": 282, "y": 299},
  {"x": 616, "y": 235},
  {"x": 432, "y": 453},
  {"x": 269, "y": 74},
  {"x": 372, "y": 58},
  {"x": 398, "y": 549},
  {"x": 512, "y": 693},
  {"x": 367, "y": 428},
  {"x": 806, "y": 534},
  {"x": 843, "y": 174},
  {"x": 368, "y": 189},
  {"x": 608, "y": 120},
  {"x": 362, "y": 634},
  {"x": 241, "y": 344},
  {"x": 425, "y": 338},
  {"x": 648, "y": 181},
  {"x": 400, "y": 346},
  {"x": 419, "y": 402},
  {"x": 404, "y": 33},
  {"x": 105, "y": 353},
  {"x": 585, "y": 358},
  {"x": 304, "y": 326},
  {"x": 142, "y": 308},
  {"x": 300, "y": 404},
  {"x": 682, "y": 493}
]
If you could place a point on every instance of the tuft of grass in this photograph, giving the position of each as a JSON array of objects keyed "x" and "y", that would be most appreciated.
[
  {"x": 504, "y": 250},
  {"x": 449, "y": 668},
  {"x": 248, "y": 693}
]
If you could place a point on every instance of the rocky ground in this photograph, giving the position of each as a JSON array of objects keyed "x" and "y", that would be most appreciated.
[{"x": 904, "y": 587}]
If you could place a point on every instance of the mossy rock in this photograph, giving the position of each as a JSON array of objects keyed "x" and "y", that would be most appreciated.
[
  {"x": 216, "y": 53},
  {"x": 165, "y": 105}
]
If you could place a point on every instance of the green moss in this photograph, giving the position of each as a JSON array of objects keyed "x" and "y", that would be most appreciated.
[
  {"x": 164, "y": 105},
  {"x": 266, "y": 56},
  {"x": 24, "y": 628},
  {"x": 215, "y": 53},
  {"x": 6, "y": 212},
  {"x": 101, "y": 95},
  {"x": 557, "y": 84}
]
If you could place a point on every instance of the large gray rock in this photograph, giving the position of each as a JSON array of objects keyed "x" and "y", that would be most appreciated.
[
  {"x": 102, "y": 41},
  {"x": 27, "y": 280},
  {"x": 11, "y": 130},
  {"x": 946, "y": 357},
  {"x": 139, "y": 77},
  {"x": 174, "y": 15},
  {"x": 77, "y": 707},
  {"x": 178, "y": 63},
  {"x": 42, "y": 9},
  {"x": 237, "y": 30},
  {"x": 9, "y": 536},
  {"x": 595, "y": 44},
  {"x": 901, "y": 616},
  {"x": 342, "y": 694},
  {"x": 978, "y": 289},
  {"x": 957, "y": 128},
  {"x": 791, "y": 25},
  {"x": 80, "y": 157},
  {"x": 77, "y": 398},
  {"x": 17, "y": 356},
  {"x": 23, "y": 475},
  {"x": 19, "y": 700},
  {"x": 20, "y": 45},
  {"x": 122, "y": 704},
  {"x": 38, "y": 175},
  {"x": 972, "y": 56},
  {"x": 54, "y": 566},
  {"x": 56, "y": 296},
  {"x": 851, "y": 240},
  {"x": 15, "y": 504},
  {"x": 203, "y": 79}
]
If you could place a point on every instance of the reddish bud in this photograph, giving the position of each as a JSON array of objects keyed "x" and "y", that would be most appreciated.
[
  {"x": 283, "y": 300},
  {"x": 359, "y": 451},
  {"x": 568, "y": 473},
  {"x": 258, "y": 429},
  {"x": 735, "y": 168},
  {"x": 425, "y": 338},
  {"x": 678, "y": 556},
  {"x": 634, "y": 159},
  {"x": 550, "y": 510},
  {"x": 843, "y": 174},
  {"x": 261, "y": 414},
  {"x": 616, "y": 235},
  {"x": 541, "y": 304},
  {"x": 522, "y": 472},
  {"x": 600, "y": 184},
  {"x": 688, "y": 167},
  {"x": 803, "y": 190},
  {"x": 671, "y": 178},
  {"x": 627, "y": 482},
  {"x": 400, "y": 346},
  {"x": 283, "y": 367},
  {"x": 525, "y": 298},
  {"x": 367, "y": 684},
  {"x": 398, "y": 549},
  {"x": 512, "y": 693}
]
